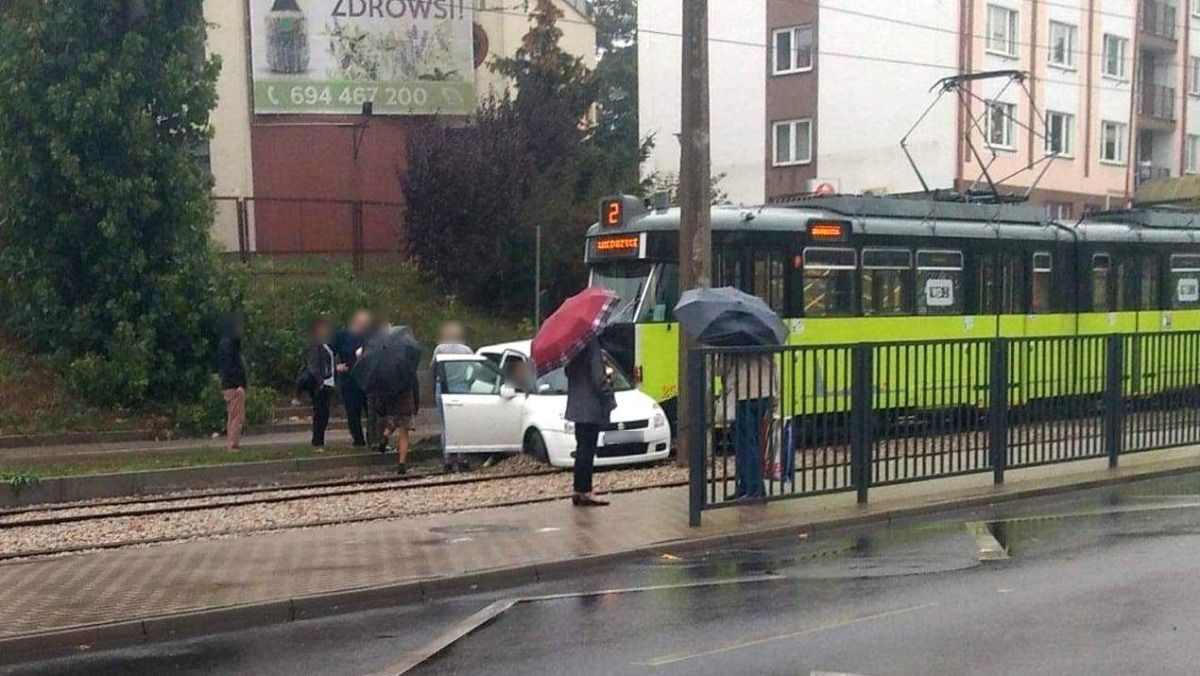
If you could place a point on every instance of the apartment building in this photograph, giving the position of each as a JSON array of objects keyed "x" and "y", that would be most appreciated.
[
  {"x": 1108, "y": 98},
  {"x": 310, "y": 172}
]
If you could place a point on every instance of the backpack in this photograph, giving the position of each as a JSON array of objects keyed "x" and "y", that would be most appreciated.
[{"x": 305, "y": 382}]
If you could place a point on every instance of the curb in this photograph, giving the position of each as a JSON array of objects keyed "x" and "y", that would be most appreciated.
[{"x": 56, "y": 643}]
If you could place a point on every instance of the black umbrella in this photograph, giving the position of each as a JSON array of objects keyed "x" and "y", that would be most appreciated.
[
  {"x": 389, "y": 361},
  {"x": 727, "y": 317}
]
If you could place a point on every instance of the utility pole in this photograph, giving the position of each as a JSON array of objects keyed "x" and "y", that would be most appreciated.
[
  {"x": 537, "y": 280},
  {"x": 695, "y": 184}
]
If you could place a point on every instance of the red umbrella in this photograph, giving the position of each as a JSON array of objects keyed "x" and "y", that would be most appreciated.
[{"x": 579, "y": 319}]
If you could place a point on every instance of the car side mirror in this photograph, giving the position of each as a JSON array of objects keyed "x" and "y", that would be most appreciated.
[{"x": 508, "y": 392}]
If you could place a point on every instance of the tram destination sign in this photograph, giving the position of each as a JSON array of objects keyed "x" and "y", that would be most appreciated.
[
  {"x": 616, "y": 246},
  {"x": 404, "y": 57}
]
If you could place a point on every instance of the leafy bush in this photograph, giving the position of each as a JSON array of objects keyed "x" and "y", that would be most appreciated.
[
  {"x": 207, "y": 415},
  {"x": 120, "y": 378}
]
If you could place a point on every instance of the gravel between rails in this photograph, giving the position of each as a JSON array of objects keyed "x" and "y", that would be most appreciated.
[{"x": 416, "y": 501}]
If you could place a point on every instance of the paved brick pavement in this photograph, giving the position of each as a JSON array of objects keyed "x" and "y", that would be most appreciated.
[{"x": 50, "y": 594}]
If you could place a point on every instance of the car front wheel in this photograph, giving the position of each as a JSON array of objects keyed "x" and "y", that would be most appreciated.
[{"x": 535, "y": 446}]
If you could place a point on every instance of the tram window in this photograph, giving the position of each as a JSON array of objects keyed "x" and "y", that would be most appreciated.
[
  {"x": 768, "y": 278},
  {"x": 886, "y": 281},
  {"x": 1040, "y": 283},
  {"x": 829, "y": 281},
  {"x": 985, "y": 279},
  {"x": 1012, "y": 284},
  {"x": 1151, "y": 280},
  {"x": 729, "y": 269},
  {"x": 1101, "y": 282},
  {"x": 1185, "y": 281},
  {"x": 662, "y": 295},
  {"x": 939, "y": 282},
  {"x": 1127, "y": 299}
]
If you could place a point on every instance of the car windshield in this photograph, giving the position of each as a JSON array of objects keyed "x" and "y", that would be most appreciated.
[
  {"x": 627, "y": 280},
  {"x": 555, "y": 382}
]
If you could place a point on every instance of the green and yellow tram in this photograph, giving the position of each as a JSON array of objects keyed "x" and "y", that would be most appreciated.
[{"x": 851, "y": 269}]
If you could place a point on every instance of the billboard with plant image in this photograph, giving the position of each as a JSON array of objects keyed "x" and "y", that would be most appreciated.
[{"x": 406, "y": 57}]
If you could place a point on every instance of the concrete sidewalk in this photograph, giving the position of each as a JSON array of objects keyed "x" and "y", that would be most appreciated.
[{"x": 152, "y": 593}]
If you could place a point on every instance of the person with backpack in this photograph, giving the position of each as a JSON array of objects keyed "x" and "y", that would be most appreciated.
[{"x": 320, "y": 369}]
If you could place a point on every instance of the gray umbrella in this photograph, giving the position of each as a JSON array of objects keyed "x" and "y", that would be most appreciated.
[{"x": 727, "y": 317}]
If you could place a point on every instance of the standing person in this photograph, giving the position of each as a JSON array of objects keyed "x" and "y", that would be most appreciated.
[
  {"x": 231, "y": 370},
  {"x": 750, "y": 382},
  {"x": 590, "y": 401},
  {"x": 346, "y": 345},
  {"x": 321, "y": 364},
  {"x": 396, "y": 409},
  {"x": 451, "y": 340}
]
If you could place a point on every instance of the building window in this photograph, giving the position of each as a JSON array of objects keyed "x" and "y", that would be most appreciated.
[
  {"x": 1002, "y": 30},
  {"x": 1060, "y": 134},
  {"x": 1191, "y": 159},
  {"x": 1195, "y": 4},
  {"x": 1061, "y": 211},
  {"x": 1194, "y": 76},
  {"x": 793, "y": 50},
  {"x": 1112, "y": 142},
  {"x": 1063, "y": 37},
  {"x": 1116, "y": 50},
  {"x": 793, "y": 142},
  {"x": 998, "y": 124}
]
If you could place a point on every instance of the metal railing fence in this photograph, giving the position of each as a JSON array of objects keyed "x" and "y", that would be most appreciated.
[{"x": 781, "y": 423}]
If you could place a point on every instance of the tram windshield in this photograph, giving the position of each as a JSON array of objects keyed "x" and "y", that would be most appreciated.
[{"x": 648, "y": 291}]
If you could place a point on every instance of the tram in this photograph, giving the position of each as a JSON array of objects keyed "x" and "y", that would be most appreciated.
[{"x": 851, "y": 269}]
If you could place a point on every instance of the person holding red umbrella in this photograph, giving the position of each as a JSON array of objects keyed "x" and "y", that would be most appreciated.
[{"x": 570, "y": 337}]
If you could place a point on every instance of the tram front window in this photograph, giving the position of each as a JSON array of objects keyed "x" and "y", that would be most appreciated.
[{"x": 628, "y": 281}]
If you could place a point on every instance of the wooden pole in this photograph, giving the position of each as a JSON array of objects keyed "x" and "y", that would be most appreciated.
[{"x": 695, "y": 184}]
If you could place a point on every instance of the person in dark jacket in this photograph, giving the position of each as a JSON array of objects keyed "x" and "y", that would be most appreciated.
[
  {"x": 231, "y": 370},
  {"x": 590, "y": 401},
  {"x": 346, "y": 345},
  {"x": 321, "y": 365}
]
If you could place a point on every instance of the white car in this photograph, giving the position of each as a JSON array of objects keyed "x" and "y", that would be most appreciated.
[{"x": 487, "y": 412}]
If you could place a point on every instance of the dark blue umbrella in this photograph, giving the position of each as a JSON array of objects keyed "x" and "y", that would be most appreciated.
[
  {"x": 727, "y": 317},
  {"x": 389, "y": 361}
]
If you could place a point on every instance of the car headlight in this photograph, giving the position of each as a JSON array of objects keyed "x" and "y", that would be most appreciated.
[{"x": 660, "y": 418}]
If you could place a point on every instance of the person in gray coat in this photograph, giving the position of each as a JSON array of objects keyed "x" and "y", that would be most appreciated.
[{"x": 590, "y": 401}]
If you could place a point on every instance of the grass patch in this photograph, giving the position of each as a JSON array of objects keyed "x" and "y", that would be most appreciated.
[{"x": 206, "y": 457}]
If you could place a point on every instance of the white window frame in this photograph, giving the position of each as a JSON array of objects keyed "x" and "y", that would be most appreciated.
[
  {"x": 793, "y": 161},
  {"x": 792, "y": 68},
  {"x": 1195, "y": 7},
  {"x": 1122, "y": 132},
  {"x": 1012, "y": 30},
  {"x": 1194, "y": 75},
  {"x": 1010, "y": 132},
  {"x": 1122, "y": 43},
  {"x": 1191, "y": 154},
  {"x": 1068, "y": 128},
  {"x": 1072, "y": 40}
]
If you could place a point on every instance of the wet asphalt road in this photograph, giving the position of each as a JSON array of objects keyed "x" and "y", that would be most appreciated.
[{"x": 1100, "y": 582}]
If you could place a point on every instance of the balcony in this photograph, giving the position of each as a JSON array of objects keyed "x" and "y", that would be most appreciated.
[
  {"x": 1147, "y": 171},
  {"x": 1157, "y": 102},
  {"x": 1158, "y": 24}
]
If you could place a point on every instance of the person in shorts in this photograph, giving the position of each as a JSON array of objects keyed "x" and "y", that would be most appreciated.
[{"x": 396, "y": 411}]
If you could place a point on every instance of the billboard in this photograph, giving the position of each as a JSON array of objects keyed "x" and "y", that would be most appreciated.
[{"x": 407, "y": 57}]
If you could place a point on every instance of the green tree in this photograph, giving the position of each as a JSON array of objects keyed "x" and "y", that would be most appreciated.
[
  {"x": 476, "y": 194},
  {"x": 104, "y": 210},
  {"x": 616, "y": 76}
]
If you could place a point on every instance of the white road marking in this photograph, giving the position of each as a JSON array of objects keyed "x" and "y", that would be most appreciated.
[{"x": 817, "y": 628}]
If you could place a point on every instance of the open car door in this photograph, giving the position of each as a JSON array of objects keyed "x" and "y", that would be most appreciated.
[{"x": 481, "y": 413}]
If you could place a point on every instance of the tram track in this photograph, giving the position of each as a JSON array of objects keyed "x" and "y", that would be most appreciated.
[{"x": 20, "y": 518}]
